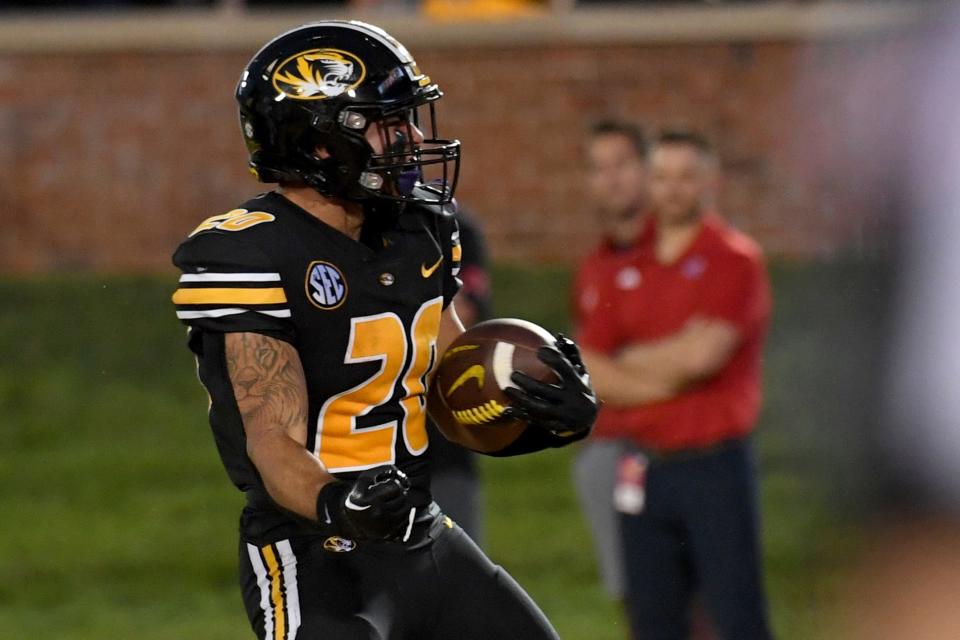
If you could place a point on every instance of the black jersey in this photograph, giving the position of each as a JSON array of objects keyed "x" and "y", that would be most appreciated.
[{"x": 363, "y": 316}]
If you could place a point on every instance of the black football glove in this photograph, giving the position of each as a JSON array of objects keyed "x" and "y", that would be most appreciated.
[
  {"x": 567, "y": 409},
  {"x": 569, "y": 348},
  {"x": 372, "y": 507}
]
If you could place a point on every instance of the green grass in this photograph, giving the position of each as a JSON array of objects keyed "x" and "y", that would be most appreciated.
[{"x": 118, "y": 521}]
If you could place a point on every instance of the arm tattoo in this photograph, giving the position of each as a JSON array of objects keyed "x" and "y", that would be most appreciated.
[{"x": 268, "y": 382}]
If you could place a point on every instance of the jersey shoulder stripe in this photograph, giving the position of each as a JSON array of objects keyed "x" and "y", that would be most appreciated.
[
  {"x": 229, "y": 295},
  {"x": 227, "y": 281},
  {"x": 230, "y": 311},
  {"x": 230, "y": 277},
  {"x": 215, "y": 295}
]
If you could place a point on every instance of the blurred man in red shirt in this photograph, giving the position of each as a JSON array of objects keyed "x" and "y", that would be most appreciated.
[
  {"x": 674, "y": 351},
  {"x": 616, "y": 179}
]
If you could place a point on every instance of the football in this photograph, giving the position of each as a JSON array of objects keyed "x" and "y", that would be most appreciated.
[{"x": 476, "y": 368}]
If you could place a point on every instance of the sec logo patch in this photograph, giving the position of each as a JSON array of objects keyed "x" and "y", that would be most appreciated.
[{"x": 326, "y": 286}]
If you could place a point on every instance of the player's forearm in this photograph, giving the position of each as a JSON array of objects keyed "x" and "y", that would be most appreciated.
[
  {"x": 619, "y": 386},
  {"x": 269, "y": 385},
  {"x": 450, "y": 328},
  {"x": 293, "y": 477}
]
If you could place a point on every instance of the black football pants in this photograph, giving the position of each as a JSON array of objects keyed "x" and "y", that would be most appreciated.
[{"x": 439, "y": 586}]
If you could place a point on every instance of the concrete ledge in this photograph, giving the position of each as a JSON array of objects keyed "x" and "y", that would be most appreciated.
[{"x": 185, "y": 30}]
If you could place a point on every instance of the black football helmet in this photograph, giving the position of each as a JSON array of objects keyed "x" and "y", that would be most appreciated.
[{"x": 308, "y": 97}]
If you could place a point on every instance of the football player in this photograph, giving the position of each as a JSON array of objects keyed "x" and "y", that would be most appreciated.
[{"x": 316, "y": 312}]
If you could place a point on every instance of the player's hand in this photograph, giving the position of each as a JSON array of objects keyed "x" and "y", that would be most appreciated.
[
  {"x": 372, "y": 507},
  {"x": 567, "y": 409},
  {"x": 569, "y": 348}
]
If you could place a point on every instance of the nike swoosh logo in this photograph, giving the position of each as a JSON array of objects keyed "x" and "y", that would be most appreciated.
[
  {"x": 426, "y": 271},
  {"x": 350, "y": 504},
  {"x": 475, "y": 372}
]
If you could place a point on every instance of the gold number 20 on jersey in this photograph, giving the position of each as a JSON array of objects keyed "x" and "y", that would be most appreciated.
[{"x": 382, "y": 337}]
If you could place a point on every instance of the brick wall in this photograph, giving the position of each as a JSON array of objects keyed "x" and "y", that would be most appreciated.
[{"x": 108, "y": 158}]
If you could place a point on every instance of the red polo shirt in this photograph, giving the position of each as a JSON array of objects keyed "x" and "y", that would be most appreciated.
[
  {"x": 722, "y": 276},
  {"x": 593, "y": 276},
  {"x": 592, "y": 301}
]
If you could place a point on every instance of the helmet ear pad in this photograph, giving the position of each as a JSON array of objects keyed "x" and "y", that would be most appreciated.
[
  {"x": 314, "y": 149},
  {"x": 280, "y": 131},
  {"x": 341, "y": 157}
]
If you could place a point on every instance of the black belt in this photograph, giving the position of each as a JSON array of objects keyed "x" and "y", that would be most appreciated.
[{"x": 655, "y": 456}]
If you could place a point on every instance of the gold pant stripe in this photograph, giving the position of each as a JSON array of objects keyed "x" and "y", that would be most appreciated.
[
  {"x": 276, "y": 577},
  {"x": 227, "y": 295}
]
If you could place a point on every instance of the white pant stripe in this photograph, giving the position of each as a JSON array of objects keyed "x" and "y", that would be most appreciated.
[
  {"x": 289, "y": 563},
  {"x": 263, "y": 581}
]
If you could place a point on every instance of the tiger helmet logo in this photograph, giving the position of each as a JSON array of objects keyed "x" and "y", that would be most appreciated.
[
  {"x": 318, "y": 74},
  {"x": 339, "y": 545}
]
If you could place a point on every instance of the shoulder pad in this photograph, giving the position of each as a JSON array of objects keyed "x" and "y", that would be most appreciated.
[{"x": 220, "y": 252}]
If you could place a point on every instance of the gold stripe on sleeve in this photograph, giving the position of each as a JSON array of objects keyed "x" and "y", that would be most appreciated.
[{"x": 211, "y": 295}]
